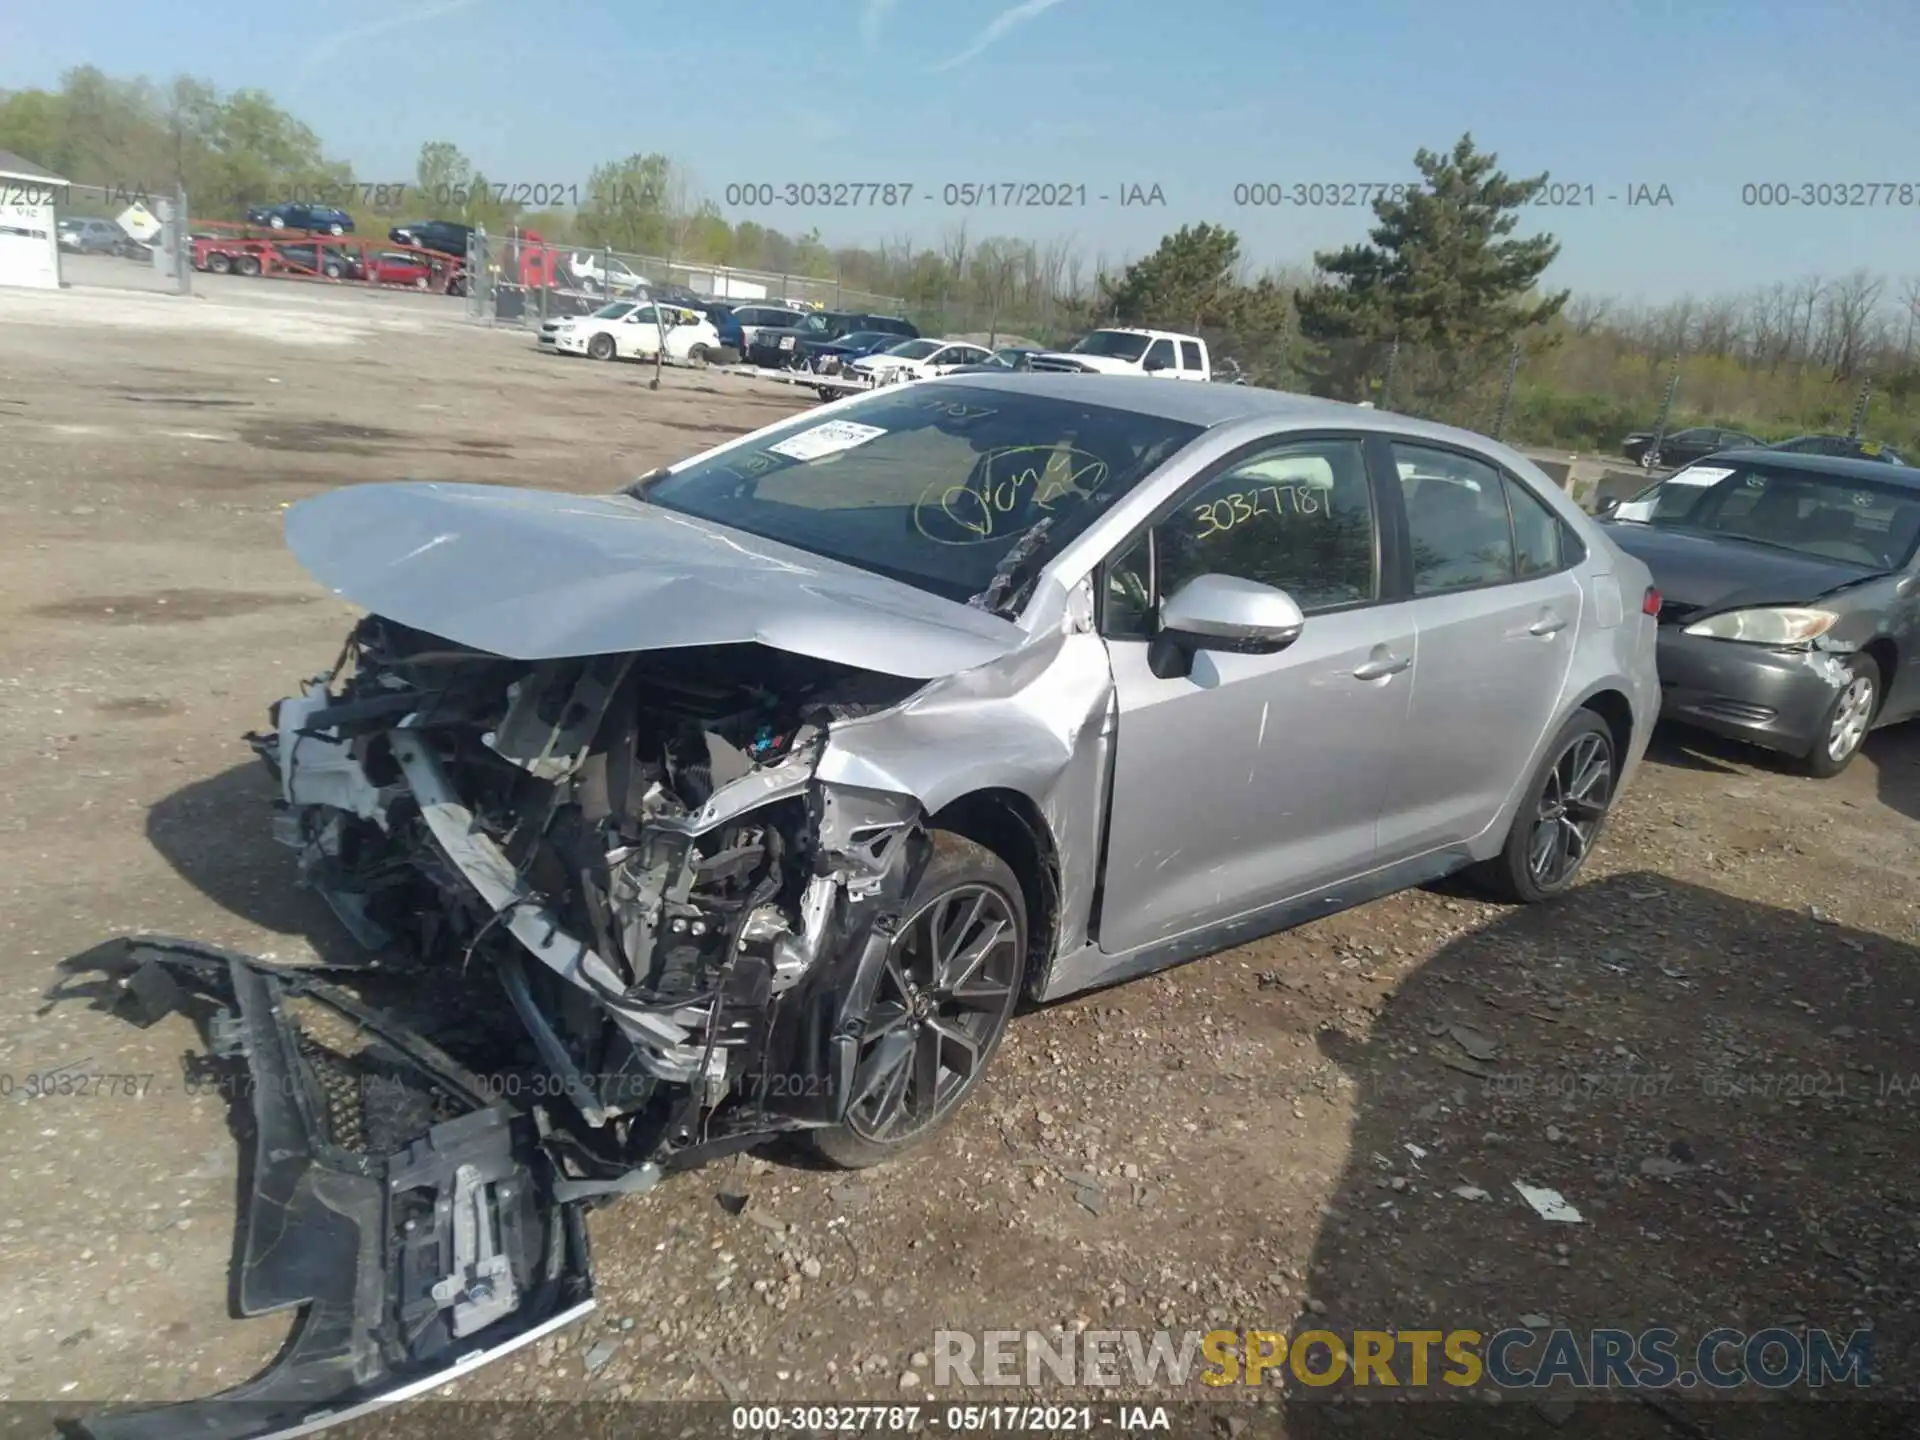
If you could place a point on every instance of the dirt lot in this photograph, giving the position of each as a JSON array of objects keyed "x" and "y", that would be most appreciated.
[{"x": 1709, "y": 1049}]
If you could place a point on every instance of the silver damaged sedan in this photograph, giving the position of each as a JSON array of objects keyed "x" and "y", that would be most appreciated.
[{"x": 755, "y": 799}]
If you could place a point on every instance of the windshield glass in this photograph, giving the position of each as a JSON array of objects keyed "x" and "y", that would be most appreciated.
[
  {"x": 914, "y": 349},
  {"x": 1009, "y": 358},
  {"x": 867, "y": 337},
  {"x": 614, "y": 311},
  {"x": 1115, "y": 343},
  {"x": 1829, "y": 517},
  {"x": 931, "y": 484}
]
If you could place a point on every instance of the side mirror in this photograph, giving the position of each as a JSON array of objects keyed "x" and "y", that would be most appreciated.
[
  {"x": 1153, "y": 365},
  {"x": 1222, "y": 612}
]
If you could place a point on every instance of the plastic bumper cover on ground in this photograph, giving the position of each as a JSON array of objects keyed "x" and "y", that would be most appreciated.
[{"x": 409, "y": 1217}]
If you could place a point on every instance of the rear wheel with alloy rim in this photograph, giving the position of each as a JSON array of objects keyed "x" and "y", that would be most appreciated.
[
  {"x": 939, "y": 1007},
  {"x": 1559, "y": 822},
  {"x": 601, "y": 346},
  {"x": 1847, "y": 720}
]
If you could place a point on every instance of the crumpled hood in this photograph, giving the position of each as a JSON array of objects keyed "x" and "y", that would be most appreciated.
[{"x": 539, "y": 575}]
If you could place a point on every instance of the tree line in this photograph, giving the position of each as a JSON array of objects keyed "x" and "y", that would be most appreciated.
[{"x": 1442, "y": 309}]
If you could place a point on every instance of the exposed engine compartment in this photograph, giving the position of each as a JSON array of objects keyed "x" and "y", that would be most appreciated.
[{"x": 648, "y": 828}]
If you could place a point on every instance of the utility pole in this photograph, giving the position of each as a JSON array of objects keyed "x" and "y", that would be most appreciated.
[{"x": 1506, "y": 391}]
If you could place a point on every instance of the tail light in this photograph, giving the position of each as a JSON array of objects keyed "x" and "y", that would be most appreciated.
[{"x": 1650, "y": 605}]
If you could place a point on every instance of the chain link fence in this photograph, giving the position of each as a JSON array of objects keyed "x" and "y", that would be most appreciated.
[
  {"x": 517, "y": 278},
  {"x": 123, "y": 237}
]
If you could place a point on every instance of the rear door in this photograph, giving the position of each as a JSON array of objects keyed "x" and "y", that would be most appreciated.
[{"x": 1496, "y": 607}]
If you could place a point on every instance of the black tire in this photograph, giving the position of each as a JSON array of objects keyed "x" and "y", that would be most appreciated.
[
  {"x": 959, "y": 873},
  {"x": 1857, "y": 702},
  {"x": 421, "y": 282},
  {"x": 333, "y": 271},
  {"x": 247, "y": 265},
  {"x": 276, "y": 222},
  {"x": 336, "y": 229},
  {"x": 601, "y": 347},
  {"x": 220, "y": 264},
  {"x": 700, "y": 355},
  {"x": 1569, "y": 799},
  {"x": 826, "y": 394}
]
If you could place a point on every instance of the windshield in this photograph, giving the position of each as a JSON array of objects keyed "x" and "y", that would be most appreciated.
[
  {"x": 931, "y": 484},
  {"x": 1828, "y": 517},
  {"x": 1117, "y": 344},
  {"x": 615, "y": 310},
  {"x": 913, "y": 349},
  {"x": 867, "y": 337},
  {"x": 1009, "y": 358}
]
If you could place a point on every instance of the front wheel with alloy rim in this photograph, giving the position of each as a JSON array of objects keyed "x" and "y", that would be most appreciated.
[
  {"x": 939, "y": 1006},
  {"x": 1847, "y": 720},
  {"x": 1561, "y": 816},
  {"x": 601, "y": 346}
]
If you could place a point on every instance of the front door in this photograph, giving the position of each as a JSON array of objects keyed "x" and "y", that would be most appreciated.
[{"x": 1254, "y": 778}]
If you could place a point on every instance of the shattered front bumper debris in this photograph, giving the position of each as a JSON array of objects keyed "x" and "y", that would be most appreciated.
[{"x": 413, "y": 1216}]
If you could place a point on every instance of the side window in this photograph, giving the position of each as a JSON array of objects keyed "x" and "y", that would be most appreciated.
[
  {"x": 1160, "y": 353},
  {"x": 1298, "y": 516},
  {"x": 1190, "y": 355},
  {"x": 1456, "y": 519},
  {"x": 1537, "y": 532}
]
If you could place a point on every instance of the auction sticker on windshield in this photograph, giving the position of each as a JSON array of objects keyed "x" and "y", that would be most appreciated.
[
  {"x": 1700, "y": 475},
  {"x": 827, "y": 439}
]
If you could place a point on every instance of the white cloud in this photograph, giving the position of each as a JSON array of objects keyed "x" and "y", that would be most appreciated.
[
  {"x": 873, "y": 15},
  {"x": 329, "y": 46},
  {"x": 1008, "y": 20}
]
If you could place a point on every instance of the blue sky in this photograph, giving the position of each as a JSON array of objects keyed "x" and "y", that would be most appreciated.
[{"x": 1195, "y": 96}]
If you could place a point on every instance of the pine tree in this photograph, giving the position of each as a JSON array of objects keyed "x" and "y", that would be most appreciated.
[{"x": 1441, "y": 275}]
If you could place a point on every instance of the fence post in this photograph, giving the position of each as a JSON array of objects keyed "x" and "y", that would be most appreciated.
[
  {"x": 1506, "y": 391},
  {"x": 182, "y": 241},
  {"x": 1860, "y": 409},
  {"x": 1386, "y": 383},
  {"x": 1652, "y": 457}
]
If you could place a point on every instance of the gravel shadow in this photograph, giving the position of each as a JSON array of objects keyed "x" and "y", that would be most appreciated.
[{"x": 1728, "y": 1094}]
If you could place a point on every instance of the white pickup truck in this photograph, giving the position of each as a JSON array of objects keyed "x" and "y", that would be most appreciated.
[{"x": 1162, "y": 354}]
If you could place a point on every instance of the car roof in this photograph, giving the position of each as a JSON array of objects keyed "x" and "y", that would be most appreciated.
[
  {"x": 1204, "y": 404},
  {"x": 1844, "y": 467}
]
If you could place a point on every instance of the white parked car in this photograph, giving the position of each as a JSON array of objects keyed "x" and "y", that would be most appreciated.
[
  {"x": 608, "y": 274},
  {"x": 919, "y": 359},
  {"x": 631, "y": 330}
]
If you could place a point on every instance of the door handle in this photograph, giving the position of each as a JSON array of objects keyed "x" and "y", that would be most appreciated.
[
  {"x": 1547, "y": 625},
  {"x": 1383, "y": 667}
]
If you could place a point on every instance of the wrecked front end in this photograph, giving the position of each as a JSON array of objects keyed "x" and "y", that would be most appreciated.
[
  {"x": 617, "y": 926},
  {"x": 684, "y": 922}
]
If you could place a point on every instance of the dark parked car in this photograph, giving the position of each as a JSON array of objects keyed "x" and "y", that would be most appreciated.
[
  {"x": 1845, "y": 447},
  {"x": 1787, "y": 615},
  {"x": 827, "y": 356},
  {"x": 443, "y": 237},
  {"x": 328, "y": 260},
  {"x": 1009, "y": 358},
  {"x": 1683, "y": 447},
  {"x": 301, "y": 217},
  {"x": 89, "y": 235},
  {"x": 784, "y": 346},
  {"x": 725, "y": 323}
]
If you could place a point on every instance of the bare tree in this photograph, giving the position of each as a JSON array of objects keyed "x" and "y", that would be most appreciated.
[{"x": 1586, "y": 313}]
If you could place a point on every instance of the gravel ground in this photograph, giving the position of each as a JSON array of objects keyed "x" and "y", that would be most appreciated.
[{"x": 1708, "y": 1048}]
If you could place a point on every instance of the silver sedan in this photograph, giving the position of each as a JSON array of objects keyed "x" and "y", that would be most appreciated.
[{"x": 755, "y": 798}]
